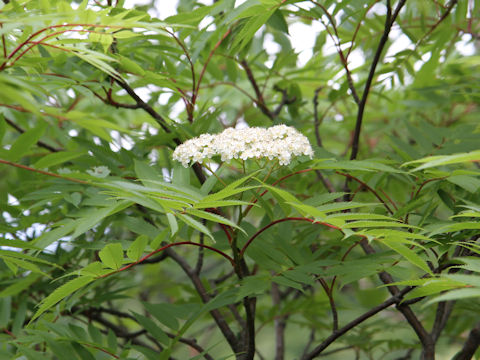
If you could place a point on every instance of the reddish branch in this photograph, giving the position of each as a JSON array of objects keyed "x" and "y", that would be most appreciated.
[
  {"x": 166, "y": 247},
  {"x": 42, "y": 172},
  {"x": 202, "y": 73},
  {"x": 242, "y": 252},
  {"x": 348, "y": 176},
  {"x": 35, "y": 34}
]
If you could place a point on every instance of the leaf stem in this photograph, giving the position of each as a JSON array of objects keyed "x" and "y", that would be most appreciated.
[
  {"x": 44, "y": 172},
  {"x": 166, "y": 247},
  {"x": 214, "y": 174}
]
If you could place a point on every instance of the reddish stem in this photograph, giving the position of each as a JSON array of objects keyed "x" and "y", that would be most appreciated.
[
  {"x": 6, "y": 331},
  {"x": 185, "y": 51},
  {"x": 103, "y": 350},
  {"x": 369, "y": 189},
  {"x": 343, "y": 259},
  {"x": 425, "y": 183},
  {"x": 194, "y": 96},
  {"x": 273, "y": 184},
  {"x": 28, "y": 40},
  {"x": 43, "y": 172},
  {"x": 242, "y": 252},
  {"x": 166, "y": 247}
]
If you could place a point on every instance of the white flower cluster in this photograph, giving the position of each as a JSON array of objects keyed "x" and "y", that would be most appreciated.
[{"x": 277, "y": 142}]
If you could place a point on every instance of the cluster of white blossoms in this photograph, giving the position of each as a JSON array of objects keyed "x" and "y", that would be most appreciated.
[{"x": 277, "y": 142}]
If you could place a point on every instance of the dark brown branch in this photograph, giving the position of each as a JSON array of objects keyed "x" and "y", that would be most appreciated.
[
  {"x": 285, "y": 100},
  {"x": 119, "y": 331},
  {"x": 193, "y": 344},
  {"x": 280, "y": 324},
  {"x": 155, "y": 260},
  {"x": 389, "y": 20},
  {"x": 21, "y": 131},
  {"x": 197, "y": 169},
  {"x": 260, "y": 100},
  {"x": 444, "y": 310},
  {"x": 316, "y": 120},
  {"x": 143, "y": 105},
  {"x": 326, "y": 182},
  {"x": 395, "y": 299},
  {"x": 425, "y": 338},
  {"x": 190, "y": 342},
  {"x": 249, "y": 305},
  {"x": 334, "y": 351},
  {"x": 217, "y": 316},
  {"x": 311, "y": 338},
  {"x": 470, "y": 346},
  {"x": 198, "y": 266},
  {"x": 336, "y": 41},
  {"x": 333, "y": 306}
]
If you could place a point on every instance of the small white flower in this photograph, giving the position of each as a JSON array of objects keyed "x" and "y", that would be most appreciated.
[{"x": 277, "y": 142}]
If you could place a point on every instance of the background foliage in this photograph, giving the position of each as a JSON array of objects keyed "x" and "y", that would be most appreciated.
[{"x": 111, "y": 249}]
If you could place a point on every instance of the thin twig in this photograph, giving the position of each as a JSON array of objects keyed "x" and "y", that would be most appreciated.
[
  {"x": 43, "y": 172},
  {"x": 316, "y": 120},
  {"x": 395, "y": 299},
  {"x": 21, "y": 131},
  {"x": 260, "y": 100},
  {"x": 348, "y": 176},
  {"x": 247, "y": 244},
  {"x": 333, "y": 307},
  {"x": 336, "y": 41},
  {"x": 389, "y": 20},
  {"x": 285, "y": 100},
  {"x": 202, "y": 73}
]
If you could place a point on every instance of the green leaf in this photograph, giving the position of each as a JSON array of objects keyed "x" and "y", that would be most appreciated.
[
  {"x": 112, "y": 256},
  {"x": 213, "y": 217},
  {"x": 247, "y": 32},
  {"x": 57, "y": 158},
  {"x": 172, "y": 221},
  {"x": 19, "y": 285},
  {"x": 219, "y": 203},
  {"x": 441, "y": 160},
  {"x": 136, "y": 249},
  {"x": 458, "y": 294},
  {"x": 410, "y": 255},
  {"x": 367, "y": 224},
  {"x": 60, "y": 293},
  {"x": 130, "y": 66},
  {"x": 195, "y": 224},
  {"x": 24, "y": 142},
  {"x": 431, "y": 287},
  {"x": 10, "y": 260},
  {"x": 277, "y": 21},
  {"x": 232, "y": 188},
  {"x": 152, "y": 328},
  {"x": 467, "y": 225},
  {"x": 163, "y": 315}
]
